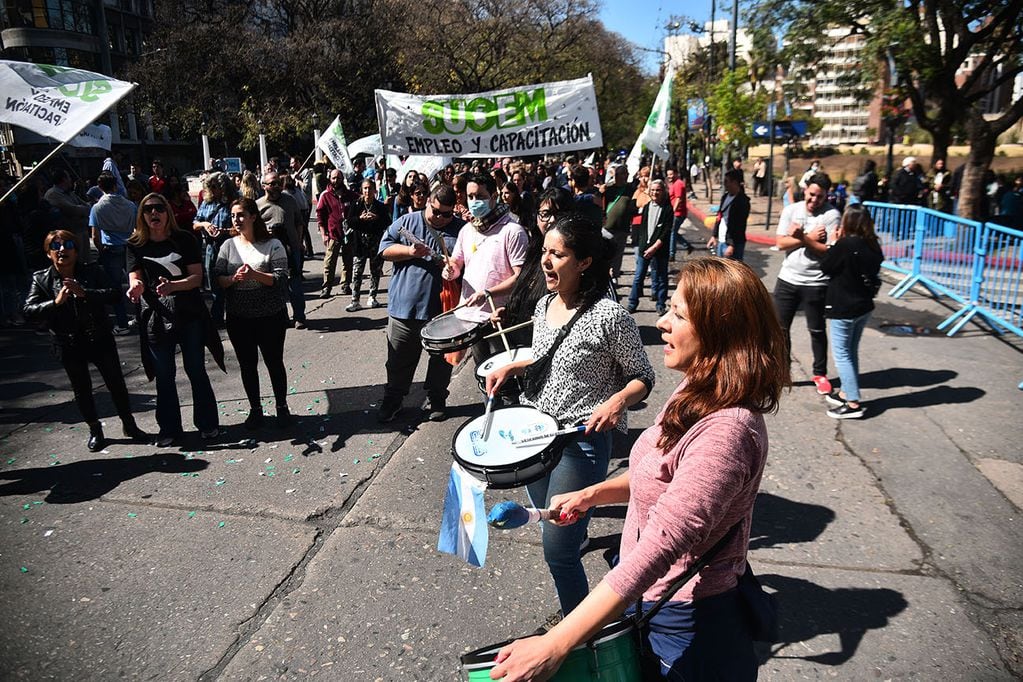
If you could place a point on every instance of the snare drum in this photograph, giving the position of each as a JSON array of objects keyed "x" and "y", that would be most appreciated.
[
  {"x": 497, "y": 361},
  {"x": 448, "y": 334},
  {"x": 500, "y": 462}
]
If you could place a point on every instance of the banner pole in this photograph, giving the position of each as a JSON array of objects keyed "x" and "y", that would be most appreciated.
[{"x": 49, "y": 156}]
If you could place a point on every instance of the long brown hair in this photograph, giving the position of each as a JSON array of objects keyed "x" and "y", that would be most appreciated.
[
  {"x": 141, "y": 233},
  {"x": 260, "y": 232},
  {"x": 856, "y": 222},
  {"x": 742, "y": 359}
]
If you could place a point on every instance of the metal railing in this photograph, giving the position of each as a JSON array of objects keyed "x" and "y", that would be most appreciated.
[{"x": 977, "y": 265}]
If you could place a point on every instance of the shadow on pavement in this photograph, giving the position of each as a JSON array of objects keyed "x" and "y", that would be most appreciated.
[
  {"x": 807, "y": 610},
  {"x": 350, "y": 322},
  {"x": 939, "y": 395},
  {"x": 778, "y": 521},
  {"x": 92, "y": 478},
  {"x": 905, "y": 376}
]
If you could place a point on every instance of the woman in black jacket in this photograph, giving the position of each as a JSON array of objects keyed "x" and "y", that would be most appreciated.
[
  {"x": 853, "y": 263},
  {"x": 729, "y": 238},
  {"x": 70, "y": 298}
]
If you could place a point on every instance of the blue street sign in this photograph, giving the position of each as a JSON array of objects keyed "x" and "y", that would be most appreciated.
[{"x": 782, "y": 129}]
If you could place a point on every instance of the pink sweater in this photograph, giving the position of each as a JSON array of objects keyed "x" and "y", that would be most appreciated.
[{"x": 683, "y": 501}]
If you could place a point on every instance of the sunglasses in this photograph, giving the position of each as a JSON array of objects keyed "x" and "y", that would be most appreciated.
[
  {"x": 154, "y": 208},
  {"x": 67, "y": 245},
  {"x": 545, "y": 215},
  {"x": 442, "y": 214}
]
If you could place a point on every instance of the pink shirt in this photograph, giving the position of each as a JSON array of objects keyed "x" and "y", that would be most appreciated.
[
  {"x": 683, "y": 501},
  {"x": 487, "y": 260}
]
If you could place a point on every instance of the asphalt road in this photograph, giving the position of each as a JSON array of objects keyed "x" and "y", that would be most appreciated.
[{"x": 894, "y": 543}]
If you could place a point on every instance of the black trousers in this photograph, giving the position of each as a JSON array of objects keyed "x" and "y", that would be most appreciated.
[
  {"x": 788, "y": 298},
  {"x": 102, "y": 353},
  {"x": 252, "y": 336},
  {"x": 404, "y": 349}
]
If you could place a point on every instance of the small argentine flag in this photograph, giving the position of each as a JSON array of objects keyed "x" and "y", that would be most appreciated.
[{"x": 463, "y": 526}]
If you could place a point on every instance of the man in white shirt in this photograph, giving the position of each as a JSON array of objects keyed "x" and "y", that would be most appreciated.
[{"x": 805, "y": 229}]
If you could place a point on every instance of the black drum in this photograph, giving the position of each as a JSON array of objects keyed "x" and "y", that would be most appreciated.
[
  {"x": 498, "y": 460},
  {"x": 448, "y": 334}
]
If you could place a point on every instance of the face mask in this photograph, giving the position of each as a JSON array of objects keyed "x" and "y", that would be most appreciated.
[{"x": 479, "y": 207}]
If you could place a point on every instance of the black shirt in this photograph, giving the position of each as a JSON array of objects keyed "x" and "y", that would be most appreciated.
[{"x": 169, "y": 258}]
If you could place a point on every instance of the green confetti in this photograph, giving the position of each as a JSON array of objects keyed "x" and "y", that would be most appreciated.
[
  {"x": 53, "y": 455},
  {"x": 375, "y": 456},
  {"x": 292, "y": 391},
  {"x": 24, "y": 570},
  {"x": 24, "y": 519},
  {"x": 48, "y": 429},
  {"x": 12, "y": 460},
  {"x": 288, "y": 457},
  {"x": 37, "y": 501},
  {"x": 132, "y": 515},
  {"x": 195, "y": 475},
  {"x": 355, "y": 461},
  {"x": 54, "y": 462},
  {"x": 295, "y": 471},
  {"x": 26, "y": 506},
  {"x": 220, "y": 482},
  {"x": 186, "y": 475},
  {"x": 191, "y": 514},
  {"x": 221, "y": 524}
]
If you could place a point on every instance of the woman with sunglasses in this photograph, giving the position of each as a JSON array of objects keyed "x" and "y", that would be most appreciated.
[
  {"x": 252, "y": 269},
  {"x": 70, "y": 298},
  {"x": 164, "y": 274}
]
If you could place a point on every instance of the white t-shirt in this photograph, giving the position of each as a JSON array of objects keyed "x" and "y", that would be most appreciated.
[
  {"x": 802, "y": 267},
  {"x": 488, "y": 260}
]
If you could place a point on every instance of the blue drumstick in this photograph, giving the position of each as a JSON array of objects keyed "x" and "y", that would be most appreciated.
[{"x": 507, "y": 515}]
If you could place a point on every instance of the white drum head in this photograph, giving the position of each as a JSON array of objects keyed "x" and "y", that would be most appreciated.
[
  {"x": 503, "y": 358},
  {"x": 511, "y": 424},
  {"x": 445, "y": 328}
]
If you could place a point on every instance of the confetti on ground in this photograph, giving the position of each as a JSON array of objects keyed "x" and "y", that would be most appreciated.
[
  {"x": 292, "y": 391},
  {"x": 37, "y": 501},
  {"x": 288, "y": 457},
  {"x": 132, "y": 515},
  {"x": 191, "y": 514},
  {"x": 419, "y": 459},
  {"x": 221, "y": 524},
  {"x": 48, "y": 533},
  {"x": 375, "y": 456},
  {"x": 220, "y": 482},
  {"x": 290, "y": 490},
  {"x": 24, "y": 569},
  {"x": 26, "y": 506},
  {"x": 12, "y": 460},
  {"x": 24, "y": 519},
  {"x": 48, "y": 429},
  {"x": 235, "y": 461},
  {"x": 355, "y": 461},
  {"x": 295, "y": 471}
]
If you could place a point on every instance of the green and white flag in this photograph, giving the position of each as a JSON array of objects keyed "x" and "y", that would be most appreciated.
[
  {"x": 655, "y": 133},
  {"x": 334, "y": 144},
  {"x": 55, "y": 101}
]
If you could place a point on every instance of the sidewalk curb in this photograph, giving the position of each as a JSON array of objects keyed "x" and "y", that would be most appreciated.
[{"x": 755, "y": 237}]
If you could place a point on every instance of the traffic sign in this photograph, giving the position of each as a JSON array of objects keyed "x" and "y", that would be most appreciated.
[{"x": 782, "y": 129}]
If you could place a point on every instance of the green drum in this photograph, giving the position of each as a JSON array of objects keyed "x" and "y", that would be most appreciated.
[{"x": 610, "y": 656}]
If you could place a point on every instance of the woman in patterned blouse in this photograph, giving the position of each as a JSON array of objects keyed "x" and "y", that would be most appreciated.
[{"x": 598, "y": 371}]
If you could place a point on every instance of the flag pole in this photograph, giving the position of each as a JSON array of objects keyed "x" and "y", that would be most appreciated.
[{"x": 49, "y": 156}]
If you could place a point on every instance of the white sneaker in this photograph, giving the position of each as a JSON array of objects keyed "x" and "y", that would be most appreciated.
[
  {"x": 373, "y": 302},
  {"x": 354, "y": 306}
]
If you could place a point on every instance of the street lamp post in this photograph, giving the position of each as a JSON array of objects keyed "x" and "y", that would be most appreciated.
[
  {"x": 263, "y": 158},
  {"x": 316, "y": 130},
  {"x": 206, "y": 161}
]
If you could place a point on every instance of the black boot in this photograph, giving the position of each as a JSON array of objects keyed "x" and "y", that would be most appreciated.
[
  {"x": 255, "y": 418},
  {"x": 131, "y": 430},
  {"x": 283, "y": 415},
  {"x": 96, "y": 440}
]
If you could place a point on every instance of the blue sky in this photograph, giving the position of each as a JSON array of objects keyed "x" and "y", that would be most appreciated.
[{"x": 643, "y": 21}]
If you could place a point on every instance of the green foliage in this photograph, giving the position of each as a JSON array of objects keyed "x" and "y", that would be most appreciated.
[{"x": 734, "y": 108}]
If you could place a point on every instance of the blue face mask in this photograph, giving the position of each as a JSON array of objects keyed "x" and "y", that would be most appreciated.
[{"x": 479, "y": 207}]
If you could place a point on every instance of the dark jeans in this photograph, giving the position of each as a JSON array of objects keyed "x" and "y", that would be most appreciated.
[
  {"x": 788, "y": 298},
  {"x": 658, "y": 266},
  {"x": 404, "y": 348},
  {"x": 295, "y": 282},
  {"x": 251, "y": 336},
  {"x": 708, "y": 639},
  {"x": 103, "y": 354},
  {"x": 677, "y": 239},
  {"x": 189, "y": 335},
  {"x": 111, "y": 258},
  {"x": 209, "y": 260}
]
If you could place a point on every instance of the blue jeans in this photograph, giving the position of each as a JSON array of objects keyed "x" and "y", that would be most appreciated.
[
  {"x": 583, "y": 463},
  {"x": 845, "y": 347},
  {"x": 737, "y": 250},
  {"x": 658, "y": 278},
  {"x": 295, "y": 282},
  {"x": 111, "y": 258},
  {"x": 189, "y": 336},
  {"x": 676, "y": 238}
]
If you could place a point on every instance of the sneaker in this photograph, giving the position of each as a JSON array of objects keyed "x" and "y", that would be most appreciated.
[
  {"x": 121, "y": 331},
  {"x": 822, "y": 384},
  {"x": 164, "y": 441},
  {"x": 846, "y": 411},
  {"x": 834, "y": 399},
  {"x": 373, "y": 302},
  {"x": 352, "y": 307},
  {"x": 388, "y": 411},
  {"x": 325, "y": 293},
  {"x": 210, "y": 433}
]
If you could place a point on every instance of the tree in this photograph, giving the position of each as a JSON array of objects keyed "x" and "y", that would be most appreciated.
[
  {"x": 929, "y": 42},
  {"x": 735, "y": 108}
]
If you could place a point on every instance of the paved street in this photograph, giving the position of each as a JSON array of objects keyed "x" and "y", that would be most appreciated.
[{"x": 894, "y": 543}]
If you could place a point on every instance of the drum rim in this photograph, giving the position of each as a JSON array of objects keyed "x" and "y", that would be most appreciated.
[{"x": 477, "y": 326}]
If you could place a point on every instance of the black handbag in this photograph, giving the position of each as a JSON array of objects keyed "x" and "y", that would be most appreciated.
[{"x": 536, "y": 373}]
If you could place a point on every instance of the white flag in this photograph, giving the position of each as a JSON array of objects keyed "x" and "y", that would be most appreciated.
[
  {"x": 93, "y": 136},
  {"x": 335, "y": 146},
  {"x": 655, "y": 133},
  {"x": 55, "y": 101}
]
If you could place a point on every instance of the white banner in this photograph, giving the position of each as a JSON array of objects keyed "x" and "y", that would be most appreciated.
[
  {"x": 367, "y": 145},
  {"x": 93, "y": 136},
  {"x": 55, "y": 101},
  {"x": 334, "y": 144},
  {"x": 427, "y": 165},
  {"x": 526, "y": 120}
]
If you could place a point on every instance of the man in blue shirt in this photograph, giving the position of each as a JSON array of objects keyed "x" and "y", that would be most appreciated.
[
  {"x": 414, "y": 299},
  {"x": 112, "y": 220}
]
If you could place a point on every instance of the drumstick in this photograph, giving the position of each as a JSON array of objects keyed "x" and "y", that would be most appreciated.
[
  {"x": 507, "y": 515},
  {"x": 488, "y": 417},
  {"x": 507, "y": 330},
  {"x": 543, "y": 436},
  {"x": 448, "y": 312},
  {"x": 497, "y": 323}
]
